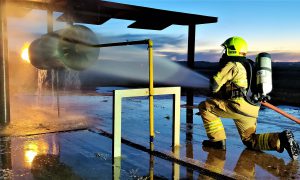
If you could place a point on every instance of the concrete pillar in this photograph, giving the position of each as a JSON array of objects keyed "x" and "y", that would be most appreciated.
[{"x": 4, "y": 86}]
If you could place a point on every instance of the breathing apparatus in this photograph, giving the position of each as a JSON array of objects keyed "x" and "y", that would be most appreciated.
[
  {"x": 259, "y": 73},
  {"x": 263, "y": 77}
]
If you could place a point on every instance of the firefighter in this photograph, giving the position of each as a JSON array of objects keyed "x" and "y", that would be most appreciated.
[{"x": 229, "y": 101}]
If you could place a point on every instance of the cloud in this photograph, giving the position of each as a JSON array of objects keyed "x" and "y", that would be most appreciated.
[
  {"x": 214, "y": 56},
  {"x": 285, "y": 56},
  {"x": 280, "y": 56},
  {"x": 175, "y": 48}
]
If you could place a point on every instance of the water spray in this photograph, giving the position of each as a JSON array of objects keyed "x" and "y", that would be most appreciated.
[{"x": 77, "y": 48}]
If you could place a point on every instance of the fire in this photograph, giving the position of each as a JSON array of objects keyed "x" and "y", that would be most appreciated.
[{"x": 24, "y": 52}]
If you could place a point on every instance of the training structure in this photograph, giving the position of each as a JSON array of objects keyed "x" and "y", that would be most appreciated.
[{"x": 97, "y": 12}]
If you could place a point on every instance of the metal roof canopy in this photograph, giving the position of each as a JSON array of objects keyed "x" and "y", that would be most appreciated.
[{"x": 98, "y": 12}]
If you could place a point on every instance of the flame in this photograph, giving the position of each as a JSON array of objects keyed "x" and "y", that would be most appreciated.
[{"x": 24, "y": 52}]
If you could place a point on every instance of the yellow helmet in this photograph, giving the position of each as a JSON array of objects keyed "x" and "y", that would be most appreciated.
[{"x": 235, "y": 46}]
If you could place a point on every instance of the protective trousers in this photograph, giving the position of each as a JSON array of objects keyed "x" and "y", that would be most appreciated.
[{"x": 245, "y": 118}]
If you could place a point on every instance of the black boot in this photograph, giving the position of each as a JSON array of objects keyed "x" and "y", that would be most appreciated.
[
  {"x": 217, "y": 144},
  {"x": 288, "y": 142}
]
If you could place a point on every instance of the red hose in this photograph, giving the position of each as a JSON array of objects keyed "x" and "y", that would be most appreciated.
[
  {"x": 263, "y": 103},
  {"x": 281, "y": 112}
]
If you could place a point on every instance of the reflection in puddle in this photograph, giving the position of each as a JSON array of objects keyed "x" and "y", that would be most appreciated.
[
  {"x": 249, "y": 162},
  {"x": 87, "y": 155},
  {"x": 249, "y": 159},
  {"x": 43, "y": 157},
  {"x": 40, "y": 146},
  {"x": 48, "y": 166},
  {"x": 19, "y": 154},
  {"x": 29, "y": 156}
]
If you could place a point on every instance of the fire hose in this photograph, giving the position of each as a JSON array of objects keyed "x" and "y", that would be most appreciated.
[
  {"x": 268, "y": 105},
  {"x": 280, "y": 111}
]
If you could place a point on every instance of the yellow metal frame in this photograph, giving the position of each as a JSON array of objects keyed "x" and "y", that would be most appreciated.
[
  {"x": 117, "y": 109},
  {"x": 151, "y": 91}
]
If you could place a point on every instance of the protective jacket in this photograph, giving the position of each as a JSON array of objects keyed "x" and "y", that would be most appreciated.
[{"x": 225, "y": 103}]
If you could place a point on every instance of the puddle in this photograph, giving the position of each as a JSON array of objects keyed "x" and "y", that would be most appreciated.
[{"x": 88, "y": 155}]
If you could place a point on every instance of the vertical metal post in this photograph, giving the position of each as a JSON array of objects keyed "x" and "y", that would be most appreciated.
[
  {"x": 151, "y": 93},
  {"x": 49, "y": 20},
  {"x": 151, "y": 167},
  {"x": 69, "y": 12},
  {"x": 175, "y": 166},
  {"x": 117, "y": 109},
  {"x": 190, "y": 62},
  {"x": 191, "y": 46},
  {"x": 4, "y": 86},
  {"x": 189, "y": 153},
  {"x": 116, "y": 168},
  {"x": 176, "y": 118},
  {"x": 190, "y": 98}
]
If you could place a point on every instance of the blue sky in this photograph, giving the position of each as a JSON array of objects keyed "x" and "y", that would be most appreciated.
[{"x": 267, "y": 25}]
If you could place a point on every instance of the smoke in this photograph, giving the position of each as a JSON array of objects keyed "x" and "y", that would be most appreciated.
[
  {"x": 22, "y": 75},
  {"x": 23, "y": 26}
]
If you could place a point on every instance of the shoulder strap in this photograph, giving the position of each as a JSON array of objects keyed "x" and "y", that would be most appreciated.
[
  {"x": 250, "y": 68},
  {"x": 251, "y": 89}
]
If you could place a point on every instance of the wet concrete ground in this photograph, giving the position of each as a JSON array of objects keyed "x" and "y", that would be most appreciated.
[{"x": 34, "y": 149}]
